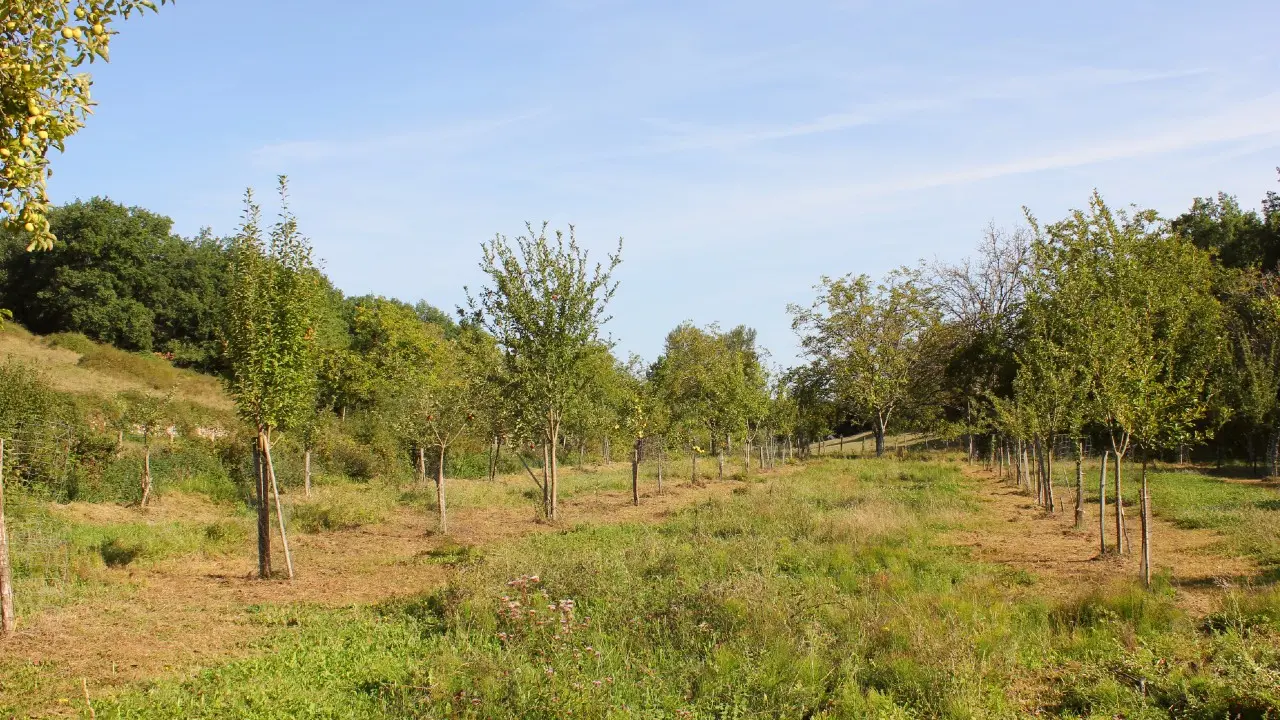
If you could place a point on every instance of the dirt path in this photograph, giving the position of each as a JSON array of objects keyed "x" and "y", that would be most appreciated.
[
  {"x": 1014, "y": 531},
  {"x": 180, "y": 615}
]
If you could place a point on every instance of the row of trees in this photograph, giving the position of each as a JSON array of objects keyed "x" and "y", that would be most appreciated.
[{"x": 1113, "y": 328}]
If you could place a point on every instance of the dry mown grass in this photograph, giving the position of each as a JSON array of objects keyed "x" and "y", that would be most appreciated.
[{"x": 105, "y": 371}]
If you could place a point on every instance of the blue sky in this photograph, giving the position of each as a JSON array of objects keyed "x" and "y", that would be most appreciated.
[{"x": 741, "y": 149}]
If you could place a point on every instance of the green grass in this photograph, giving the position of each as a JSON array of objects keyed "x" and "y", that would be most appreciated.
[
  {"x": 339, "y": 504},
  {"x": 58, "y": 560},
  {"x": 1248, "y": 515},
  {"x": 816, "y": 595}
]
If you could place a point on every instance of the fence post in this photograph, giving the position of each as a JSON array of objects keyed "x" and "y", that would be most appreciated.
[{"x": 6, "y": 571}]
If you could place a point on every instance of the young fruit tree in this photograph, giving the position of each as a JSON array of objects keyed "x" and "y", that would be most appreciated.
[
  {"x": 1169, "y": 378},
  {"x": 1085, "y": 268},
  {"x": 147, "y": 413},
  {"x": 1146, "y": 331},
  {"x": 866, "y": 339},
  {"x": 42, "y": 42},
  {"x": 544, "y": 304},
  {"x": 700, "y": 378},
  {"x": 436, "y": 404},
  {"x": 269, "y": 345}
]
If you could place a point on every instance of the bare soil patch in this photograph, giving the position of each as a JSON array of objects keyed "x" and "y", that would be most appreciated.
[{"x": 1068, "y": 562}]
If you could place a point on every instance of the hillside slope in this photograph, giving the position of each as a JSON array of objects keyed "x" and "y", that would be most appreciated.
[{"x": 78, "y": 366}]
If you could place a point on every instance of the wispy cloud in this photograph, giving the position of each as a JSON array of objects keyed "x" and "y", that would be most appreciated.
[
  {"x": 451, "y": 138},
  {"x": 831, "y": 198},
  {"x": 1253, "y": 120},
  {"x": 688, "y": 136}
]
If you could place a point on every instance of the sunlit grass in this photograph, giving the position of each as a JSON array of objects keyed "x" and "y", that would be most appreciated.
[{"x": 823, "y": 593}]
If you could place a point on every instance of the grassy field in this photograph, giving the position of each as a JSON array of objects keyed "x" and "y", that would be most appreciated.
[{"x": 834, "y": 590}]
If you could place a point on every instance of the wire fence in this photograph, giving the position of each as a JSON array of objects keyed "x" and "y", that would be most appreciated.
[{"x": 40, "y": 556}]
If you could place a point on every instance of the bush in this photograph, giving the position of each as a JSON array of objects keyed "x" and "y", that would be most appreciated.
[
  {"x": 73, "y": 341},
  {"x": 40, "y": 427}
]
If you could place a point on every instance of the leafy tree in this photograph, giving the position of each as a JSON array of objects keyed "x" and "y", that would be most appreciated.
[
  {"x": 1252, "y": 318},
  {"x": 980, "y": 301},
  {"x": 120, "y": 276},
  {"x": 437, "y": 401},
  {"x": 433, "y": 315},
  {"x": 148, "y": 413},
  {"x": 746, "y": 395},
  {"x": 702, "y": 375},
  {"x": 1143, "y": 326},
  {"x": 810, "y": 389},
  {"x": 544, "y": 305},
  {"x": 601, "y": 403},
  {"x": 1239, "y": 238},
  {"x": 270, "y": 344},
  {"x": 867, "y": 339},
  {"x": 44, "y": 100}
]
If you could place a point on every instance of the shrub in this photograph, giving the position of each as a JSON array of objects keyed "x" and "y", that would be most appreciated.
[
  {"x": 40, "y": 426},
  {"x": 73, "y": 341}
]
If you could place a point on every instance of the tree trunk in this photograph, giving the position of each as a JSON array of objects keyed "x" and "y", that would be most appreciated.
[
  {"x": 146, "y": 473},
  {"x": 1037, "y": 462},
  {"x": 1079, "y": 484},
  {"x": 608, "y": 458},
  {"x": 7, "y": 621},
  {"x": 546, "y": 479},
  {"x": 746, "y": 460},
  {"x": 421, "y": 479},
  {"x": 1017, "y": 462},
  {"x": 1122, "y": 540},
  {"x": 720, "y": 470},
  {"x": 306, "y": 471},
  {"x": 635, "y": 474},
  {"x": 661, "y": 456},
  {"x": 879, "y": 429},
  {"x": 1145, "y": 514},
  {"x": 693, "y": 466},
  {"x": 555, "y": 473},
  {"x": 264, "y": 513},
  {"x": 1037, "y": 470},
  {"x": 1048, "y": 476},
  {"x": 761, "y": 452},
  {"x": 1102, "y": 504},
  {"x": 275, "y": 492},
  {"x": 1274, "y": 452},
  {"x": 497, "y": 456},
  {"x": 440, "y": 505},
  {"x": 1253, "y": 456}
]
